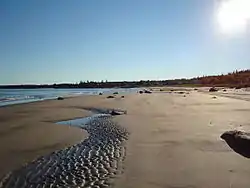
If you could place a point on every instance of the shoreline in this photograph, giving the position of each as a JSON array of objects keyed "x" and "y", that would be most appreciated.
[
  {"x": 23, "y": 96},
  {"x": 40, "y": 101}
]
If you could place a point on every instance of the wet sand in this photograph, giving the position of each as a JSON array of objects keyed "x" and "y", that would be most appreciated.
[
  {"x": 94, "y": 162},
  {"x": 174, "y": 140},
  {"x": 28, "y": 131}
]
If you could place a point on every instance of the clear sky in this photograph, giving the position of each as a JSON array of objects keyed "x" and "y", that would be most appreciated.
[{"x": 52, "y": 41}]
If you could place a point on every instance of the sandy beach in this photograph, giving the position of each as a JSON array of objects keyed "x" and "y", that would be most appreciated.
[{"x": 174, "y": 138}]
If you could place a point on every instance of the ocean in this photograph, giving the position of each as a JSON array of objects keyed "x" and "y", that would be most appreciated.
[{"x": 17, "y": 96}]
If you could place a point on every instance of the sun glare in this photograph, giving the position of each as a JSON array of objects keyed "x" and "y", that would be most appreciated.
[{"x": 233, "y": 16}]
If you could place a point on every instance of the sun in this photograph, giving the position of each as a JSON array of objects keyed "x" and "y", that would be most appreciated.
[{"x": 233, "y": 16}]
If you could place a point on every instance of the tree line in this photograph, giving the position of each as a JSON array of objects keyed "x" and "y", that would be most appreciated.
[{"x": 234, "y": 79}]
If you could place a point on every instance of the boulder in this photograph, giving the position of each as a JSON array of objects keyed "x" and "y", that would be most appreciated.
[
  {"x": 60, "y": 98},
  {"x": 213, "y": 89},
  {"x": 147, "y": 91},
  {"x": 239, "y": 141},
  {"x": 110, "y": 97},
  {"x": 117, "y": 112},
  {"x": 141, "y": 92}
]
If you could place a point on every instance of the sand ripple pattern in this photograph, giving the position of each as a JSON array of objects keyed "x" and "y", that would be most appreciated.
[{"x": 92, "y": 163}]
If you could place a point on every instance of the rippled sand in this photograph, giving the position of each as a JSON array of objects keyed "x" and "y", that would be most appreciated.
[{"x": 93, "y": 162}]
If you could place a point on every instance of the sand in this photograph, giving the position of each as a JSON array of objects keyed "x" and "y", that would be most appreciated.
[{"x": 174, "y": 140}]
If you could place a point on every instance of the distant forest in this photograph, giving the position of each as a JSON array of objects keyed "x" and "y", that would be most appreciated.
[{"x": 236, "y": 79}]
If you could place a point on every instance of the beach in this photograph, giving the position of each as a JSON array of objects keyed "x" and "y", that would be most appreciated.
[{"x": 174, "y": 138}]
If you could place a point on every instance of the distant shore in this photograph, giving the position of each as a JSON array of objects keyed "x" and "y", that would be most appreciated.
[{"x": 236, "y": 79}]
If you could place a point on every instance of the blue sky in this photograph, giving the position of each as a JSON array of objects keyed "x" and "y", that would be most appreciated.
[{"x": 53, "y": 41}]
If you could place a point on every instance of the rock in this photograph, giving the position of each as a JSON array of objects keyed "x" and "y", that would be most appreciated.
[
  {"x": 116, "y": 112},
  {"x": 147, "y": 91},
  {"x": 195, "y": 89},
  {"x": 214, "y": 97},
  {"x": 161, "y": 89},
  {"x": 238, "y": 87},
  {"x": 100, "y": 93},
  {"x": 60, "y": 98},
  {"x": 110, "y": 97},
  {"x": 122, "y": 97},
  {"x": 180, "y": 92},
  {"x": 213, "y": 89},
  {"x": 224, "y": 90},
  {"x": 239, "y": 141},
  {"x": 141, "y": 92},
  {"x": 115, "y": 93},
  {"x": 184, "y": 96}
]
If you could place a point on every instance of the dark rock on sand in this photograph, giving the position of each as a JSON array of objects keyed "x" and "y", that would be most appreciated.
[
  {"x": 100, "y": 94},
  {"x": 239, "y": 141},
  {"x": 214, "y": 97},
  {"x": 180, "y": 92},
  {"x": 115, "y": 93},
  {"x": 224, "y": 90},
  {"x": 110, "y": 97},
  {"x": 116, "y": 112},
  {"x": 147, "y": 91},
  {"x": 213, "y": 89},
  {"x": 123, "y": 96},
  {"x": 60, "y": 98},
  {"x": 141, "y": 92}
]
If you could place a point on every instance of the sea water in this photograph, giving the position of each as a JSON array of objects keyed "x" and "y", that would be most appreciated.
[{"x": 17, "y": 96}]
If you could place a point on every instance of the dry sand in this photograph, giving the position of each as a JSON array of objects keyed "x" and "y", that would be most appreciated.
[
  {"x": 174, "y": 142},
  {"x": 242, "y": 94}
]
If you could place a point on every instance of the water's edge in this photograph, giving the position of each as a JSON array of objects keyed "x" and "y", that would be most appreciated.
[
  {"x": 20, "y": 96},
  {"x": 94, "y": 162}
]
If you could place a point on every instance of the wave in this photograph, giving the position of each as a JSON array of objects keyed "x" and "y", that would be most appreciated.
[{"x": 17, "y": 96}]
